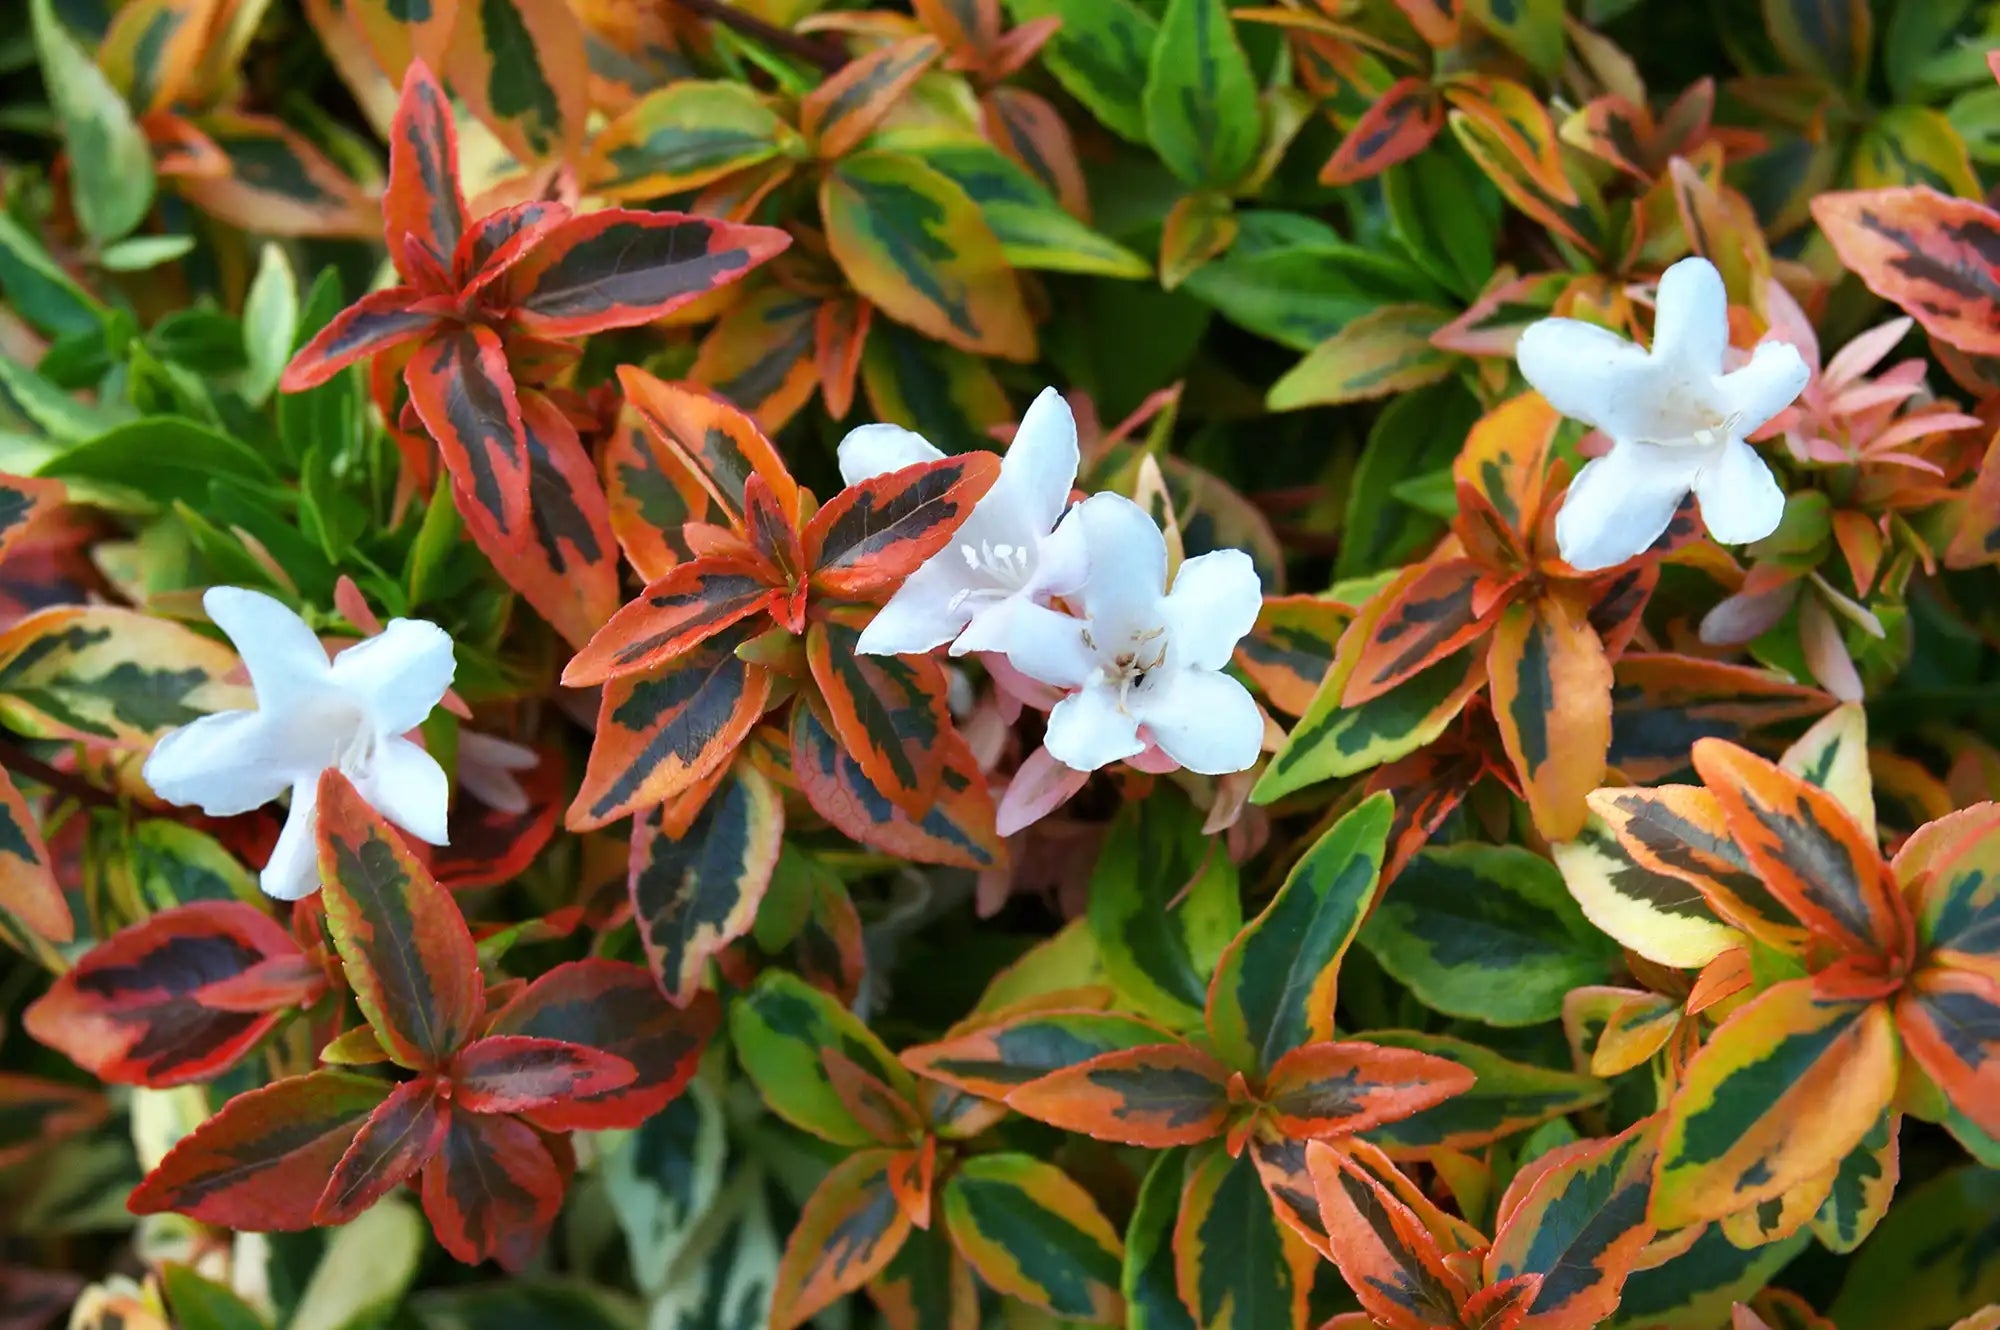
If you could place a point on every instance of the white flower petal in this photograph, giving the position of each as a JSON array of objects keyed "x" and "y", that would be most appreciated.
[
  {"x": 991, "y": 627},
  {"x": 1040, "y": 465},
  {"x": 1204, "y": 720},
  {"x": 222, "y": 764},
  {"x": 1740, "y": 498},
  {"x": 406, "y": 785},
  {"x": 1128, "y": 566},
  {"x": 293, "y": 871},
  {"x": 284, "y": 658},
  {"x": 1049, "y": 647},
  {"x": 1214, "y": 602},
  {"x": 1062, "y": 559},
  {"x": 1588, "y": 373},
  {"x": 1775, "y": 376},
  {"x": 399, "y": 674},
  {"x": 1691, "y": 317},
  {"x": 1621, "y": 502},
  {"x": 1087, "y": 730},
  {"x": 876, "y": 450},
  {"x": 924, "y": 613}
]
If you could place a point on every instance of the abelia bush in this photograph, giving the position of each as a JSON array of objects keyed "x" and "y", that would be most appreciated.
[{"x": 1140, "y": 663}]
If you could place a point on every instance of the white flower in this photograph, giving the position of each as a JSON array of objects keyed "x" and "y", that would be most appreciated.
[
  {"x": 1676, "y": 421},
  {"x": 312, "y": 714},
  {"x": 1142, "y": 658},
  {"x": 1002, "y": 558}
]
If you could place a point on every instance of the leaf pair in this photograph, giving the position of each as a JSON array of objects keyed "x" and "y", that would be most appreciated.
[{"x": 511, "y": 286}]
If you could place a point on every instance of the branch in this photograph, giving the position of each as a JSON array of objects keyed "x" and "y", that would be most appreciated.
[
  {"x": 791, "y": 43},
  {"x": 19, "y": 761}
]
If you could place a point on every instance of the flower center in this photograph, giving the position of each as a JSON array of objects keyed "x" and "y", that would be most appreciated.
[
  {"x": 1696, "y": 424},
  {"x": 352, "y": 741},
  {"x": 1127, "y": 668},
  {"x": 1005, "y": 566}
]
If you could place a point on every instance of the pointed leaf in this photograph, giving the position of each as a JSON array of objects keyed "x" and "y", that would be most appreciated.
[
  {"x": 403, "y": 944},
  {"x": 464, "y": 393},
  {"x": 241, "y": 1168},
  {"x": 104, "y": 674},
  {"x": 492, "y": 1190},
  {"x": 1959, "y": 905},
  {"x": 1950, "y": 1022},
  {"x": 617, "y": 268},
  {"x": 1382, "y": 1248},
  {"x": 1033, "y": 1234},
  {"x": 515, "y": 1073},
  {"x": 1425, "y": 616},
  {"x": 854, "y": 99},
  {"x": 779, "y": 1028},
  {"x": 889, "y": 713},
  {"x": 1398, "y": 124},
  {"x": 1660, "y": 916},
  {"x": 1551, "y": 689},
  {"x": 850, "y": 1229},
  {"x": 760, "y": 354},
  {"x": 1156, "y": 1096},
  {"x": 376, "y": 322},
  {"x": 424, "y": 206},
  {"x": 692, "y": 603},
  {"x": 520, "y": 66},
  {"x": 1388, "y": 350},
  {"x": 1506, "y": 1097},
  {"x": 1236, "y": 1266},
  {"x": 957, "y": 830},
  {"x": 1331, "y": 1089},
  {"x": 993, "y": 1060},
  {"x": 690, "y": 133},
  {"x": 720, "y": 445},
  {"x": 398, "y": 1138},
  {"x": 1929, "y": 253},
  {"x": 652, "y": 492},
  {"x": 1273, "y": 989},
  {"x": 871, "y": 536},
  {"x": 1863, "y": 1186},
  {"x": 277, "y": 182},
  {"x": 111, "y": 167},
  {"x": 1152, "y": 1300},
  {"x": 1200, "y": 102}
]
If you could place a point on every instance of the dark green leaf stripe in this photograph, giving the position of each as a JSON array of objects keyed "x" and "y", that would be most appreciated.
[
  {"x": 1334, "y": 740},
  {"x": 1152, "y": 1301},
  {"x": 694, "y": 895},
  {"x": 779, "y": 1028},
  {"x": 1233, "y": 1247},
  {"x": 1159, "y": 955},
  {"x": 1508, "y": 1097}
]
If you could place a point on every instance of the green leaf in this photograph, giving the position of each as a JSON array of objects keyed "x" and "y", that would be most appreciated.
[
  {"x": 1418, "y": 433},
  {"x": 528, "y": 1304},
  {"x": 368, "y": 1267},
  {"x": 1532, "y": 29},
  {"x": 160, "y": 459},
  {"x": 138, "y": 253},
  {"x": 1931, "y": 1261},
  {"x": 1695, "y": 1290},
  {"x": 1033, "y": 229},
  {"x": 1202, "y": 114},
  {"x": 1488, "y": 932},
  {"x": 1163, "y": 904},
  {"x": 40, "y": 291},
  {"x": 779, "y": 1028},
  {"x": 1296, "y": 289},
  {"x": 110, "y": 162},
  {"x": 1034, "y": 1234},
  {"x": 1447, "y": 214},
  {"x": 1508, "y": 1097},
  {"x": 1099, "y": 55},
  {"x": 1387, "y": 350},
  {"x": 172, "y": 864},
  {"x": 1152, "y": 1301},
  {"x": 48, "y": 408},
  {"x": 270, "y": 323},
  {"x": 203, "y": 1304},
  {"x": 1333, "y": 740},
  {"x": 663, "y": 1179},
  {"x": 1236, "y": 1264}
]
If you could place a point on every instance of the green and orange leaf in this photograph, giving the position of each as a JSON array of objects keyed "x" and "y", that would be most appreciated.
[
  {"x": 1288, "y": 653},
  {"x": 1398, "y": 124},
  {"x": 1927, "y": 252},
  {"x": 521, "y": 66},
  {"x": 1551, "y": 688},
  {"x": 849, "y": 1230},
  {"x": 109, "y": 675},
  {"x": 1156, "y": 1095},
  {"x": 872, "y": 535},
  {"x": 1383, "y": 1250},
  {"x": 1426, "y": 615},
  {"x": 29, "y": 891},
  {"x": 847, "y": 107},
  {"x": 719, "y": 445},
  {"x": 688, "y": 134},
  {"x": 1071, "y": 1269},
  {"x": 1949, "y": 1020},
  {"x": 780, "y": 1029},
  {"x": 690, "y": 604},
  {"x": 956, "y": 830},
  {"x": 424, "y": 207},
  {"x": 994, "y": 1059},
  {"x": 1237, "y": 1266},
  {"x": 888, "y": 712},
  {"x": 1333, "y": 1089},
  {"x": 518, "y": 1073},
  {"x": 464, "y": 392}
]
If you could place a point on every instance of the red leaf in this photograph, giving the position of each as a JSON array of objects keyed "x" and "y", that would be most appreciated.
[
  {"x": 404, "y": 945},
  {"x": 872, "y": 535},
  {"x": 1399, "y": 124},
  {"x": 957, "y": 830},
  {"x": 492, "y": 1190},
  {"x": 28, "y": 887},
  {"x": 618, "y": 268},
  {"x": 376, "y": 322},
  {"x": 464, "y": 393},
  {"x": 398, "y": 1138},
  {"x": 720, "y": 445},
  {"x": 423, "y": 207},
  {"x": 889, "y": 712},
  {"x": 499, "y": 240},
  {"x": 513, "y": 1073},
  {"x": 242, "y": 1168},
  {"x": 614, "y": 1008},
  {"x": 692, "y": 603},
  {"x": 130, "y": 1010},
  {"x": 492, "y": 845}
]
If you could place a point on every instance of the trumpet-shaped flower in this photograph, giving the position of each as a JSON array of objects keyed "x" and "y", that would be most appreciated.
[
  {"x": 1677, "y": 421},
  {"x": 1145, "y": 663},
  {"x": 1006, "y": 554},
  {"x": 351, "y": 712}
]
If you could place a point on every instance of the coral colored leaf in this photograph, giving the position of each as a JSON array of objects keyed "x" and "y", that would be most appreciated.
[
  {"x": 1680, "y": 832},
  {"x": 1237, "y": 1267},
  {"x": 1387, "y": 350},
  {"x": 1950, "y": 1023},
  {"x": 777, "y": 542},
  {"x": 130, "y": 1010},
  {"x": 692, "y": 603},
  {"x": 104, "y": 674},
  {"x": 1398, "y": 124},
  {"x": 375, "y": 323},
  {"x": 521, "y": 67},
  {"x": 916, "y": 245},
  {"x": 1506, "y": 1097},
  {"x": 1661, "y": 916},
  {"x": 398, "y": 1138},
  {"x": 872, "y": 535},
  {"x": 883, "y": 1113},
  {"x": 36, "y": 1114},
  {"x": 153, "y": 48},
  {"x": 568, "y": 568},
  {"x": 696, "y": 892},
  {"x": 1500, "y": 475},
  {"x": 1071, "y": 1267},
  {"x": 614, "y": 1008},
  {"x": 661, "y": 732},
  {"x": 653, "y": 491},
  {"x": 464, "y": 393},
  {"x": 1578, "y": 1220},
  {"x": 618, "y": 268},
  {"x": 1426, "y": 615},
  {"x": 29, "y": 891},
  {"x": 1382, "y": 1248},
  {"x": 956, "y": 830},
  {"x": 993, "y": 1060},
  {"x": 718, "y": 444},
  {"x": 1281, "y": 1166},
  {"x": 1863, "y": 1186},
  {"x": 1958, "y": 900},
  {"x": 1288, "y": 653},
  {"x": 1929, "y": 253},
  {"x": 1662, "y": 703},
  {"x": 1155, "y": 1095},
  {"x": 690, "y": 133},
  {"x": 242, "y": 1168},
  {"x": 1331, "y": 1089},
  {"x": 490, "y": 846},
  {"x": 847, "y": 107},
  {"x": 517, "y": 1073},
  {"x": 22, "y": 500},
  {"x": 848, "y": 1231},
  {"x": 492, "y": 1190},
  {"x": 1808, "y": 851},
  {"x": 1516, "y": 122},
  {"x": 423, "y": 208},
  {"x": 403, "y": 944},
  {"x": 779, "y": 1029},
  {"x": 889, "y": 713},
  {"x": 1551, "y": 687},
  {"x": 1273, "y": 989},
  {"x": 1781, "y": 1092},
  {"x": 760, "y": 354},
  {"x": 274, "y": 181}
]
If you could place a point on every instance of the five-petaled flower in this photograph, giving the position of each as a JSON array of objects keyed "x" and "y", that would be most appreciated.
[
  {"x": 1009, "y": 553},
  {"x": 1677, "y": 422},
  {"x": 351, "y": 712},
  {"x": 1145, "y": 663}
]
